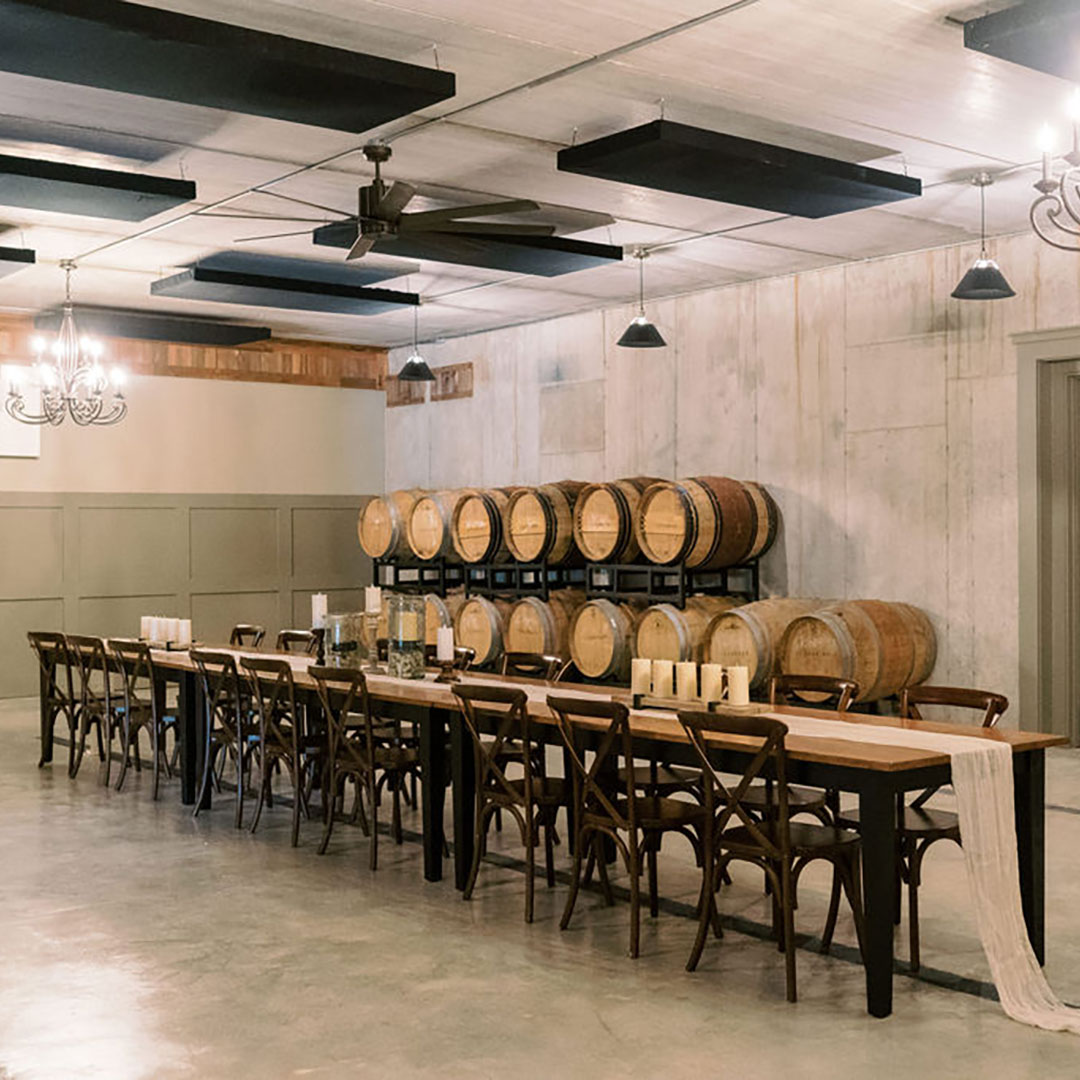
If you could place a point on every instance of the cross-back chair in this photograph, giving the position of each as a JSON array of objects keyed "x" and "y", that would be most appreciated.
[
  {"x": 143, "y": 708},
  {"x": 57, "y": 688},
  {"x": 606, "y": 807},
  {"x": 99, "y": 697},
  {"x": 247, "y": 635},
  {"x": 297, "y": 641},
  {"x": 533, "y": 799},
  {"x": 735, "y": 832},
  {"x": 527, "y": 665}
]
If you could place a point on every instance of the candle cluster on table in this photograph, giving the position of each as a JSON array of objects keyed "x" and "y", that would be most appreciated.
[
  {"x": 161, "y": 630},
  {"x": 689, "y": 681}
]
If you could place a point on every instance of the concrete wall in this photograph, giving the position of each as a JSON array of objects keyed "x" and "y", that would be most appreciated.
[{"x": 880, "y": 412}]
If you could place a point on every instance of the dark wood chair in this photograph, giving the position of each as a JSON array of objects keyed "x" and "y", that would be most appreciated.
[
  {"x": 463, "y": 656},
  {"x": 143, "y": 708},
  {"x": 527, "y": 665},
  {"x": 920, "y": 826},
  {"x": 533, "y": 799},
  {"x": 281, "y": 742},
  {"x": 230, "y": 728},
  {"x": 99, "y": 696},
  {"x": 297, "y": 641},
  {"x": 247, "y": 636},
  {"x": 604, "y": 808},
  {"x": 57, "y": 687},
  {"x": 777, "y": 845}
]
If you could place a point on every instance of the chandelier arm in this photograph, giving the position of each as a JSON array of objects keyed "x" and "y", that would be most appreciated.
[
  {"x": 15, "y": 407},
  {"x": 1052, "y": 213},
  {"x": 1068, "y": 200}
]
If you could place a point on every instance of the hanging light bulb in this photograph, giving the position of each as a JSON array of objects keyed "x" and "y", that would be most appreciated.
[
  {"x": 416, "y": 368},
  {"x": 984, "y": 281},
  {"x": 641, "y": 334}
]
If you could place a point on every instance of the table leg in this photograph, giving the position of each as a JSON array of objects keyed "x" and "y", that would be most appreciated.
[
  {"x": 433, "y": 795},
  {"x": 190, "y": 722},
  {"x": 1029, "y": 798},
  {"x": 47, "y": 718},
  {"x": 877, "y": 823},
  {"x": 463, "y": 771}
]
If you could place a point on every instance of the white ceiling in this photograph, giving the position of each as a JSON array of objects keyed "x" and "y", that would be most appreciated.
[{"x": 887, "y": 81}]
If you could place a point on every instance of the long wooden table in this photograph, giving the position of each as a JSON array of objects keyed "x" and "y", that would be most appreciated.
[{"x": 876, "y": 773}]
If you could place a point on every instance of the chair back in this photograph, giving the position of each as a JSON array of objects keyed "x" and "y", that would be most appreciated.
[
  {"x": 297, "y": 641},
  {"x": 529, "y": 665},
  {"x": 991, "y": 705},
  {"x": 592, "y": 794},
  {"x": 89, "y": 656},
  {"x": 839, "y": 693},
  {"x": 247, "y": 635},
  {"x": 509, "y": 710},
  {"x": 343, "y": 694},
  {"x": 54, "y": 658},
  {"x": 463, "y": 656},
  {"x": 221, "y": 686},
  {"x": 772, "y": 836},
  {"x": 136, "y": 665},
  {"x": 274, "y": 694}
]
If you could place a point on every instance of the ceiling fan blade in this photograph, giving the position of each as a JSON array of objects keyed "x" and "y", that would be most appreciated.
[
  {"x": 270, "y": 236},
  {"x": 487, "y": 228},
  {"x": 395, "y": 200},
  {"x": 425, "y": 218},
  {"x": 362, "y": 246}
]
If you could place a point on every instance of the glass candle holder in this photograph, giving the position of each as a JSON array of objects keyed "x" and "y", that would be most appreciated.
[
  {"x": 342, "y": 639},
  {"x": 407, "y": 637}
]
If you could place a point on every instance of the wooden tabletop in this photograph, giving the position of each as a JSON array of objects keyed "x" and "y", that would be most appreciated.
[{"x": 846, "y": 750}]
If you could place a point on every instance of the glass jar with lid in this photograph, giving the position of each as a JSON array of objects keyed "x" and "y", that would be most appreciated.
[
  {"x": 343, "y": 637},
  {"x": 407, "y": 637}
]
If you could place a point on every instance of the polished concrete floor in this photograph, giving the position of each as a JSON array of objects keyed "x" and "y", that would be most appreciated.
[{"x": 137, "y": 942}]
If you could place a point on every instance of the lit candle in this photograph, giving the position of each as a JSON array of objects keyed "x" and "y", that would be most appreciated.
[
  {"x": 738, "y": 685},
  {"x": 640, "y": 676},
  {"x": 409, "y": 626},
  {"x": 686, "y": 672},
  {"x": 372, "y": 599},
  {"x": 712, "y": 682},
  {"x": 1046, "y": 145},
  {"x": 318, "y": 610},
  {"x": 444, "y": 644},
  {"x": 663, "y": 678}
]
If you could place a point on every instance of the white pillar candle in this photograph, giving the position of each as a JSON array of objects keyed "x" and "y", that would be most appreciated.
[
  {"x": 712, "y": 682},
  {"x": 372, "y": 599},
  {"x": 145, "y": 624},
  {"x": 184, "y": 635},
  {"x": 172, "y": 630},
  {"x": 318, "y": 611},
  {"x": 640, "y": 676},
  {"x": 663, "y": 678},
  {"x": 157, "y": 631},
  {"x": 686, "y": 672},
  {"x": 444, "y": 644},
  {"x": 738, "y": 685}
]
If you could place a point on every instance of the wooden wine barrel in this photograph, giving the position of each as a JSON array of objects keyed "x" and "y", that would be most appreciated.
[
  {"x": 601, "y": 638},
  {"x": 749, "y": 636},
  {"x": 666, "y": 632},
  {"x": 604, "y": 517},
  {"x": 440, "y": 611},
  {"x": 478, "y": 526},
  {"x": 881, "y": 645},
  {"x": 540, "y": 523},
  {"x": 536, "y": 626},
  {"x": 480, "y": 624},
  {"x": 430, "y": 521},
  {"x": 706, "y": 522},
  {"x": 383, "y": 524}
]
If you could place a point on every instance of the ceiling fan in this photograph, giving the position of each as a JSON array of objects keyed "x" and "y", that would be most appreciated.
[{"x": 452, "y": 234}]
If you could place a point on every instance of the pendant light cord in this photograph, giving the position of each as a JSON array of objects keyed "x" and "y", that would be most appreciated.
[
  {"x": 982, "y": 218},
  {"x": 641, "y": 283}
]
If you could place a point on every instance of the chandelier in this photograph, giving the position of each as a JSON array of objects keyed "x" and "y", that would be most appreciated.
[
  {"x": 1055, "y": 214},
  {"x": 73, "y": 383}
]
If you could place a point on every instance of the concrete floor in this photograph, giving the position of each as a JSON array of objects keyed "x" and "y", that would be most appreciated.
[{"x": 139, "y": 943}]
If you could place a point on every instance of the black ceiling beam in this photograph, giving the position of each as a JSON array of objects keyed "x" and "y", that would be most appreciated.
[
  {"x": 12, "y": 260},
  {"x": 153, "y": 326},
  {"x": 264, "y": 290},
  {"x": 544, "y": 256},
  {"x": 685, "y": 160},
  {"x": 75, "y": 189},
  {"x": 1039, "y": 34},
  {"x": 136, "y": 49}
]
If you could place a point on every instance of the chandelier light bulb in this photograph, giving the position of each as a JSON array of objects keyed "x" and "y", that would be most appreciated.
[
  {"x": 1072, "y": 107},
  {"x": 119, "y": 377},
  {"x": 37, "y": 344},
  {"x": 1046, "y": 139}
]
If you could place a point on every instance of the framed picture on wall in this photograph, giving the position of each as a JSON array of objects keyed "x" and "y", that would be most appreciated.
[{"x": 18, "y": 439}]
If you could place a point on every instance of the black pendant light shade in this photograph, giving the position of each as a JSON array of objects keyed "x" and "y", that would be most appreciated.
[
  {"x": 641, "y": 334},
  {"x": 415, "y": 368},
  {"x": 984, "y": 281}
]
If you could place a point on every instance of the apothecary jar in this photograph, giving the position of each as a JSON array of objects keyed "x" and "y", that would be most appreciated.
[
  {"x": 406, "y": 632},
  {"x": 343, "y": 638}
]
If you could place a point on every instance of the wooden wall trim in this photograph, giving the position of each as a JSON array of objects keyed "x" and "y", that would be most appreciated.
[{"x": 277, "y": 360}]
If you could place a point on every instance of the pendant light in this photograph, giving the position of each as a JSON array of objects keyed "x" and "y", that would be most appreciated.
[
  {"x": 984, "y": 281},
  {"x": 416, "y": 369},
  {"x": 641, "y": 334}
]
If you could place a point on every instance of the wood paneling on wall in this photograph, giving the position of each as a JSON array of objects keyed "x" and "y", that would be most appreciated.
[
  {"x": 93, "y": 564},
  {"x": 879, "y": 411},
  {"x": 307, "y": 363}
]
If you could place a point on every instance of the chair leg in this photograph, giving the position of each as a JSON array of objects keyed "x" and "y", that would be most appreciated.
[
  {"x": 238, "y": 821},
  {"x": 834, "y": 910},
  {"x": 483, "y": 818},
  {"x": 601, "y": 869},
  {"x": 575, "y": 879},
  {"x": 125, "y": 752},
  {"x": 73, "y": 767},
  {"x": 110, "y": 724},
  {"x": 373, "y": 801},
  {"x": 76, "y": 743},
  {"x": 549, "y": 849},
  {"x": 706, "y": 904},
  {"x": 530, "y": 862},
  {"x": 330, "y": 782},
  {"x": 853, "y": 888},
  {"x": 156, "y": 749},
  {"x": 914, "y": 862},
  {"x": 395, "y": 826},
  {"x": 264, "y": 783},
  {"x": 654, "y": 892},
  {"x": 787, "y": 890},
  {"x": 297, "y": 775},
  {"x": 635, "y": 901}
]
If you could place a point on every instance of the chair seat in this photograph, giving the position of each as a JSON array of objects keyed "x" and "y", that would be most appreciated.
[
  {"x": 924, "y": 822},
  {"x": 656, "y": 812},
  {"x": 800, "y": 799},
  {"x": 806, "y": 839},
  {"x": 547, "y": 791},
  {"x": 669, "y": 779}
]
